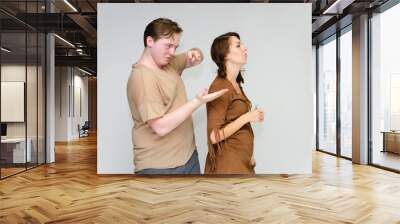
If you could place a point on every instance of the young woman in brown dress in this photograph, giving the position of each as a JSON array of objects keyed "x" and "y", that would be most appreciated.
[{"x": 230, "y": 136}]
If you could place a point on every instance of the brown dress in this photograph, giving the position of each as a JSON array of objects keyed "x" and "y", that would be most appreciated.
[{"x": 232, "y": 155}]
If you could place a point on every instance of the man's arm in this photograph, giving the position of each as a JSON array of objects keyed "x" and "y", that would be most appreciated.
[
  {"x": 194, "y": 57},
  {"x": 165, "y": 124}
]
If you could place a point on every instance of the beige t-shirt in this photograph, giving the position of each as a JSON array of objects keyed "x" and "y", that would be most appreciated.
[{"x": 152, "y": 94}]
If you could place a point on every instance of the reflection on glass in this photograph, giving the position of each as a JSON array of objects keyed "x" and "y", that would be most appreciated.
[
  {"x": 346, "y": 94},
  {"x": 327, "y": 97},
  {"x": 386, "y": 89},
  {"x": 31, "y": 101},
  {"x": 22, "y": 90},
  {"x": 13, "y": 86}
]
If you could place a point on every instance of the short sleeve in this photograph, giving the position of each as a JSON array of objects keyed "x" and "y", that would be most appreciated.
[
  {"x": 217, "y": 109},
  {"x": 148, "y": 96},
  {"x": 178, "y": 63}
]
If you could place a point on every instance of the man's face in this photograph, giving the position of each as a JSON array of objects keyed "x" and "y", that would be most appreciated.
[{"x": 163, "y": 50}]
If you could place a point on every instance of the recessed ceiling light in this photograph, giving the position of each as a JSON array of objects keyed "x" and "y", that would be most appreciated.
[
  {"x": 84, "y": 71},
  {"x": 5, "y": 49},
  {"x": 64, "y": 40},
  {"x": 70, "y": 5}
]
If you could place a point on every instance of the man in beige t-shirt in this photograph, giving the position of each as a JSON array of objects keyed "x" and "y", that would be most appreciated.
[{"x": 163, "y": 134}]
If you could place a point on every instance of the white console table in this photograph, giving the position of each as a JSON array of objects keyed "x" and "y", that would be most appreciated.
[{"x": 18, "y": 150}]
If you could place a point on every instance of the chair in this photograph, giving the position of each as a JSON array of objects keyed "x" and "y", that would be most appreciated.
[{"x": 84, "y": 130}]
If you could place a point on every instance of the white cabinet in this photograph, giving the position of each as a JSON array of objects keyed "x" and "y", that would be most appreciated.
[{"x": 18, "y": 149}]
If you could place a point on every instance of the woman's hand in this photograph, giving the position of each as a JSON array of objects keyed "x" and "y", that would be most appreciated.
[
  {"x": 256, "y": 115},
  {"x": 253, "y": 161}
]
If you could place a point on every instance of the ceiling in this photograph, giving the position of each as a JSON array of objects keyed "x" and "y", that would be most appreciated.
[{"x": 76, "y": 22}]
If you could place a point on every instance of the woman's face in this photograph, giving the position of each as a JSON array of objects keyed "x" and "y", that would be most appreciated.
[{"x": 237, "y": 52}]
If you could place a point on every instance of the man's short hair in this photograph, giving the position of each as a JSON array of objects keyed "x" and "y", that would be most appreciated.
[{"x": 161, "y": 28}]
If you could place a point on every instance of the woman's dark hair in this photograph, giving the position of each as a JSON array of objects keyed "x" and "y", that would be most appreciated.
[{"x": 219, "y": 50}]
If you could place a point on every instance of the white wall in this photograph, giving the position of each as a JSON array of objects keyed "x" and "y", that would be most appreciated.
[
  {"x": 61, "y": 103},
  {"x": 79, "y": 117},
  {"x": 67, "y": 81},
  {"x": 18, "y": 73},
  {"x": 278, "y": 76}
]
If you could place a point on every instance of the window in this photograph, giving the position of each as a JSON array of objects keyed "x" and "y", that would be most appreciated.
[
  {"x": 327, "y": 96},
  {"x": 385, "y": 89}
]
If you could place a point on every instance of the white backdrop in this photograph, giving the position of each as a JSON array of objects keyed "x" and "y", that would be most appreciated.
[{"x": 278, "y": 76}]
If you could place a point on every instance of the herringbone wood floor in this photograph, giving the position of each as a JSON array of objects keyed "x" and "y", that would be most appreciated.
[{"x": 70, "y": 191}]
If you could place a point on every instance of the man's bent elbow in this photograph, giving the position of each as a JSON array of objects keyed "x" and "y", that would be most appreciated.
[{"x": 156, "y": 128}]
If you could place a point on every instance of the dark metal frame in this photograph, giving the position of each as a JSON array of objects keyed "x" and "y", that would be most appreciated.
[
  {"x": 337, "y": 35},
  {"x": 338, "y": 98},
  {"x": 37, "y": 97},
  {"x": 0, "y": 91},
  {"x": 369, "y": 91},
  {"x": 317, "y": 97}
]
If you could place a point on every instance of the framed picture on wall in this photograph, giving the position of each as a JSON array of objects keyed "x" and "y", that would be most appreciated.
[{"x": 12, "y": 101}]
